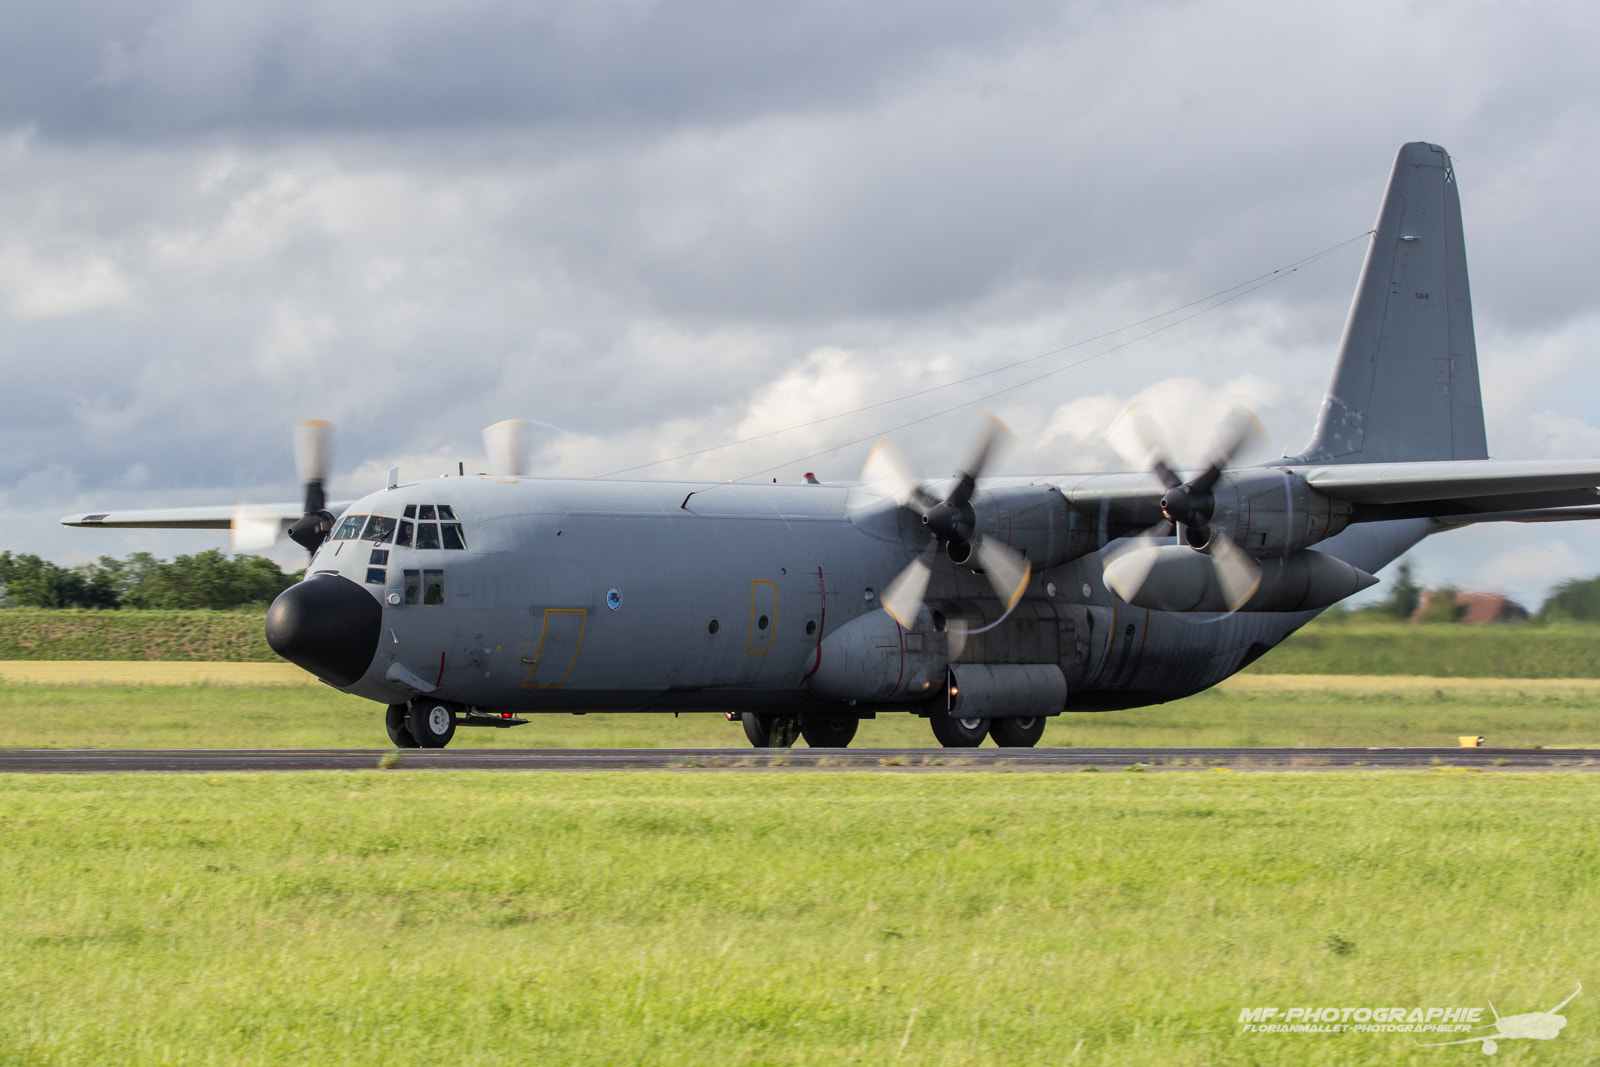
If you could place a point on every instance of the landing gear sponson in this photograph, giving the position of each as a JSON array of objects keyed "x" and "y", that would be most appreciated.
[{"x": 432, "y": 723}]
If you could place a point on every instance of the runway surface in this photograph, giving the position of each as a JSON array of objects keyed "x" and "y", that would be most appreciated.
[{"x": 211, "y": 761}]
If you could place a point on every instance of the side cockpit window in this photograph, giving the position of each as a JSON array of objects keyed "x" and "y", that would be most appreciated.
[{"x": 424, "y": 587}]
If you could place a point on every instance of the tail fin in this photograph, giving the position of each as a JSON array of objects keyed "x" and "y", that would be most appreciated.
[{"x": 1405, "y": 386}]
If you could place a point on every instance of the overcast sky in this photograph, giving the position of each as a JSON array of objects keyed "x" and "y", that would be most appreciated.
[{"x": 665, "y": 226}]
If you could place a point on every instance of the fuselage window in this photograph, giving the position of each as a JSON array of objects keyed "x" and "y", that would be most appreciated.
[
  {"x": 452, "y": 534},
  {"x": 427, "y": 535},
  {"x": 349, "y": 528},
  {"x": 413, "y": 587},
  {"x": 427, "y": 512},
  {"x": 380, "y": 528},
  {"x": 433, "y": 587},
  {"x": 375, "y": 576},
  {"x": 402, "y": 536}
]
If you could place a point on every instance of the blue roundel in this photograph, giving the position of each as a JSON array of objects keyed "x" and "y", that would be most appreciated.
[{"x": 613, "y": 598}]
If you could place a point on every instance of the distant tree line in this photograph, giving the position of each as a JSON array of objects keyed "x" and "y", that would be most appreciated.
[
  {"x": 208, "y": 579},
  {"x": 1577, "y": 600}
]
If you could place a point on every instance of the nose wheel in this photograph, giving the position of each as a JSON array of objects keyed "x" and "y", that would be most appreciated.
[
  {"x": 431, "y": 723},
  {"x": 394, "y": 720}
]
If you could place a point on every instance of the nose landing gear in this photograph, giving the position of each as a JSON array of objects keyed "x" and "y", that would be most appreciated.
[{"x": 432, "y": 723}]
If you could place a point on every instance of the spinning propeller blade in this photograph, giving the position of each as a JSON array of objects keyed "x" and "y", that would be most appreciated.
[
  {"x": 313, "y": 445},
  {"x": 903, "y": 599},
  {"x": 1189, "y": 505},
  {"x": 950, "y": 522},
  {"x": 507, "y": 445}
]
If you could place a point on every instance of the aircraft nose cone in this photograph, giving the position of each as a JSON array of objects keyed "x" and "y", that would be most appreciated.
[{"x": 327, "y": 624}]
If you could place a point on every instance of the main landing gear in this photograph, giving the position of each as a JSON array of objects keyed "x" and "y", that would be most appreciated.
[
  {"x": 969, "y": 733},
  {"x": 781, "y": 731}
]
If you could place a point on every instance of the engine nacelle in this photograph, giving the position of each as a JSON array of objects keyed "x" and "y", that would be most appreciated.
[
  {"x": 1275, "y": 512},
  {"x": 1036, "y": 521},
  {"x": 873, "y": 660},
  {"x": 1182, "y": 579}
]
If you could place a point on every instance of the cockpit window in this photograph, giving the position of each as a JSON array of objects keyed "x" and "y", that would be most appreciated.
[
  {"x": 380, "y": 528},
  {"x": 349, "y": 528},
  {"x": 433, "y": 587},
  {"x": 427, "y": 531}
]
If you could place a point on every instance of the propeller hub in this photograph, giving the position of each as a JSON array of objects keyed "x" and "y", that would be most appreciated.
[{"x": 1188, "y": 506}]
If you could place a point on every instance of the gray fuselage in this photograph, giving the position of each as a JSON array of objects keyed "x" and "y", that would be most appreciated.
[{"x": 589, "y": 595}]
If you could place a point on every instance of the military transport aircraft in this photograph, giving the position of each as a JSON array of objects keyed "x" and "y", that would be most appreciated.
[{"x": 986, "y": 606}]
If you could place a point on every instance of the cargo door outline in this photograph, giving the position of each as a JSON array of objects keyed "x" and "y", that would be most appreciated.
[
  {"x": 559, "y": 645},
  {"x": 763, "y": 604}
]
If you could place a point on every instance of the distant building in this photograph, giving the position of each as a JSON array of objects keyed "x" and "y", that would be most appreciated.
[{"x": 1474, "y": 609}]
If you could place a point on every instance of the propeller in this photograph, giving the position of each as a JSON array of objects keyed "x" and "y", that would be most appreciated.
[
  {"x": 1187, "y": 506},
  {"x": 951, "y": 523},
  {"x": 507, "y": 445},
  {"x": 313, "y": 440},
  {"x": 254, "y": 529}
]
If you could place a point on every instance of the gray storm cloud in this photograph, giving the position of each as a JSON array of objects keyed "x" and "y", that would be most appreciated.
[{"x": 663, "y": 226}]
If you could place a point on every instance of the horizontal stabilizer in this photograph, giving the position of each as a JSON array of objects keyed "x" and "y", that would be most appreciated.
[{"x": 1530, "y": 483}]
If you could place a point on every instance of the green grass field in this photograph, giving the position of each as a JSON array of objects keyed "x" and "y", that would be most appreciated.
[
  {"x": 772, "y": 918},
  {"x": 1363, "y": 645},
  {"x": 1250, "y": 711}
]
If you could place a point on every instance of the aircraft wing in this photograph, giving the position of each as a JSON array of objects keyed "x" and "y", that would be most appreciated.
[
  {"x": 217, "y": 517},
  {"x": 1484, "y": 490},
  {"x": 1128, "y": 497}
]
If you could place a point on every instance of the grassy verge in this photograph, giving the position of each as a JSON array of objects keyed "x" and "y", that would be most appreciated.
[
  {"x": 1249, "y": 711},
  {"x": 685, "y": 919},
  {"x": 1364, "y": 646},
  {"x": 229, "y": 636}
]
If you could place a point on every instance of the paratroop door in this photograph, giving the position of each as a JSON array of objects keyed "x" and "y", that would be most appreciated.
[{"x": 557, "y": 652}]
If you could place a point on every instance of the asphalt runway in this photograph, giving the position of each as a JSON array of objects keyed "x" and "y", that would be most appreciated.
[{"x": 212, "y": 761}]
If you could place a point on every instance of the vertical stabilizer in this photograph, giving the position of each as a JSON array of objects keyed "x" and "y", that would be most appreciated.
[{"x": 1405, "y": 386}]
